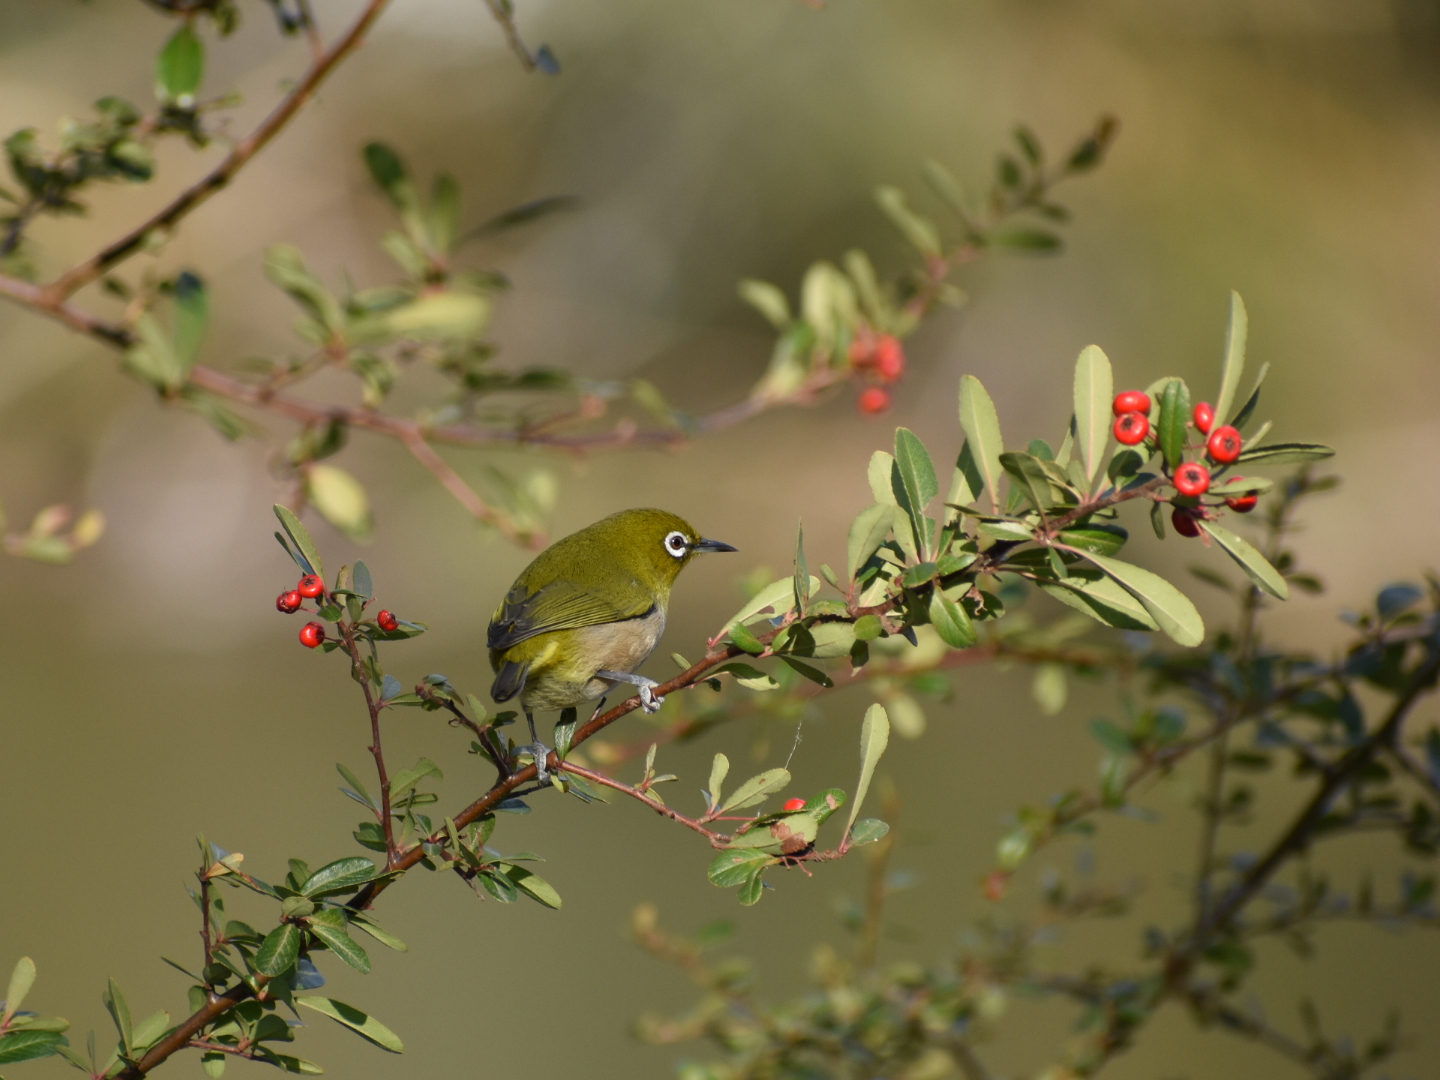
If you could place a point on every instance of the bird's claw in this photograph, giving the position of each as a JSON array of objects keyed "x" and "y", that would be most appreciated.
[
  {"x": 649, "y": 700},
  {"x": 539, "y": 751}
]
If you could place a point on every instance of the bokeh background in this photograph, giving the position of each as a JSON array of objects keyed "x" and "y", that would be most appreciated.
[{"x": 1286, "y": 148}]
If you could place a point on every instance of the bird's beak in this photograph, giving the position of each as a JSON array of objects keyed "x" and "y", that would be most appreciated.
[{"x": 713, "y": 545}]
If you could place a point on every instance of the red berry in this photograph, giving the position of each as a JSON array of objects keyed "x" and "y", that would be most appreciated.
[
  {"x": 889, "y": 358},
  {"x": 288, "y": 602},
  {"x": 791, "y": 805},
  {"x": 387, "y": 622},
  {"x": 1131, "y": 401},
  {"x": 874, "y": 399},
  {"x": 310, "y": 586},
  {"x": 1131, "y": 428},
  {"x": 1192, "y": 478},
  {"x": 1224, "y": 445},
  {"x": 1242, "y": 504},
  {"x": 1204, "y": 416},
  {"x": 1184, "y": 522},
  {"x": 312, "y": 634}
]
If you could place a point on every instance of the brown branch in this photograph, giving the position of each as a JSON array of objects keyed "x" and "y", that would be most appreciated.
[
  {"x": 376, "y": 747},
  {"x": 452, "y": 482},
  {"x": 1298, "y": 835},
  {"x": 716, "y": 839},
  {"x": 80, "y": 275}
]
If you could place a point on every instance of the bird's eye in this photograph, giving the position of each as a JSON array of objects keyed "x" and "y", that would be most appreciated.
[{"x": 677, "y": 543}]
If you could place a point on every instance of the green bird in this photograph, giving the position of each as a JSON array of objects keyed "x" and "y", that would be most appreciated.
[{"x": 588, "y": 611}]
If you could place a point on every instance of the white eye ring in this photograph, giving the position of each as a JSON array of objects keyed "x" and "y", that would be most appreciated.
[{"x": 677, "y": 543}]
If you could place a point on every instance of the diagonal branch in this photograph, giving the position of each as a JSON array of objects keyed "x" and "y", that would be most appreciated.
[{"x": 80, "y": 275}]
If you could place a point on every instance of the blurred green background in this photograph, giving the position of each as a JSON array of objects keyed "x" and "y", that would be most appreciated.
[{"x": 1286, "y": 148}]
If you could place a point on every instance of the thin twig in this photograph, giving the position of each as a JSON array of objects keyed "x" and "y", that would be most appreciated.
[
  {"x": 466, "y": 495},
  {"x": 63, "y": 287},
  {"x": 716, "y": 839}
]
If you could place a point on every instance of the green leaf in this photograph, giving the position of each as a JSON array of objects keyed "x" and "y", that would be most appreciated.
[
  {"x": 966, "y": 485},
  {"x": 867, "y": 533},
  {"x": 982, "y": 429},
  {"x": 280, "y": 949},
  {"x": 874, "y": 736},
  {"x": 1026, "y": 239},
  {"x": 339, "y": 941},
  {"x": 388, "y": 172},
  {"x": 1172, "y": 428},
  {"x": 300, "y": 537},
  {"x": 179, "y": 68},
  {"x": 533, "y": 885},
  {"x": 756, "y": 790},
  {"x": 1007, "y": 530},
  {"x": 150, "y": 1029},
  {"x": 360, "y": 1023},
  {"x": 341, "y": 500},
  {"x": 361, "y": 581},
  {"x": 22, "y": 978},
  {"x": 880, "y": 473},
  {"x": 1255, "y": 565},
  {"x": 731, "y": 868},
  {"x": 753, "y": 887},
  {"x": 1094, "y": 393},
  {"x": 1102, "y": 599},
  {"x": 379, "y": 933},
  {"x": 921, "y": 232},
  {"x": 773, "y": 600},
  {"x": 1248, "y": 409},
  {"x": 405, "y": 779},
  {"x": 1234, "y": 365},
  {"x": 357, "y": 787},
  {"x": 1049, "y": 688},
  {"x": 719, "y": 769},
  {"x": 801, "y": 581},
  {"x": 867, "y": 831},
  {"x": 1111, "y": 737},
  {"x": 815, "y": 675},
  {"x": 768, "y": 300},
  {"x": 213, "y": 1062},
  {"x": 917, "y": 479},
  {"x": 28, "y": 1045},
  {"x": 1285, "y": 454},
  {"x": 340, "y": 875},
  {"x": 286, "y": 1062},
  {"x": 951, "y": 621},
  {"x": 1168, "y": 606},
  {"x": 1034, "y": 479},
  {"x": 746, "y": 640},
  {"x": 115, "y": 1005},
  {"x": 1101, "y": 539},
  {"x": 752, "y": 678},
  {"x": 192, "y": 315},
  {"x": 868, "y": 627}
]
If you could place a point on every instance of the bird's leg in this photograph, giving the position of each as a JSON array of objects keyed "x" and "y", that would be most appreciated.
[
  {"x": 538, "y": 750},
  {"x": 649, "y": 701},
  {"x": 599, "y": 708}
]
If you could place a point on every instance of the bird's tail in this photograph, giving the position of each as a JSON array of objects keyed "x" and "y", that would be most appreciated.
[{"x": 510, "y": 681}]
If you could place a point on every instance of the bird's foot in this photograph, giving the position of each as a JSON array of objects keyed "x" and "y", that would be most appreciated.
[
  {"x": 539, "y": 751},
  {"x": 649, "y": 700}
]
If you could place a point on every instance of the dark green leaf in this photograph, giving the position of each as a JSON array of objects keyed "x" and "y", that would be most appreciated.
[
  {"x": 746, "y": 640},
  {"x": 341, "y": 875},
  {"x": 1248, "y": 409},
  {"x": 801, "y": 584},
  {"x": 179, "y": 68},
  {"x": 1285, "y": 454},
  {"x": 388, "y": 172},
  {"x": 1172, "y": 427},
  {"x": 951, "y": 622},
  {"x": 360, "y": 1023},
  {"x": 192, "y": 315},
  {"x": 917, "y": 478},
  {"x": 1101, "y": 539},
  {"x": 339, "y": 941},
  {"x": 28, "y": 1045},
  {"x": 300, "y": 537},
  {"x": 867, "y": 831},
  {"x": 1111, "y": 737},
  {"x": 731, "y": 868},
  {"x": 815, "y": 675},
  {"x": 278, "y": 952},
  {"x": 361, "y": 581},
  {"x": 1255, "y": 565},
  {"x": 753, "y": 887},
  {"x": 1024, "y": 238}
]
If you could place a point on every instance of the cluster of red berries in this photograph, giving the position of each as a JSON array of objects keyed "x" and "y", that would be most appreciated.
[
  {"x": 881, "y": 358},
  {"x": 1192, "y": 479},
  {"x": 312, "y": 634}
]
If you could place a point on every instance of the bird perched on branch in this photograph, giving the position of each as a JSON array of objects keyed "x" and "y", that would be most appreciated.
[{"x": 588, "y": 611}]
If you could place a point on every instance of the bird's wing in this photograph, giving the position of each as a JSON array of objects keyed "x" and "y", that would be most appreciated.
[{"x": 561, "y": 605}]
